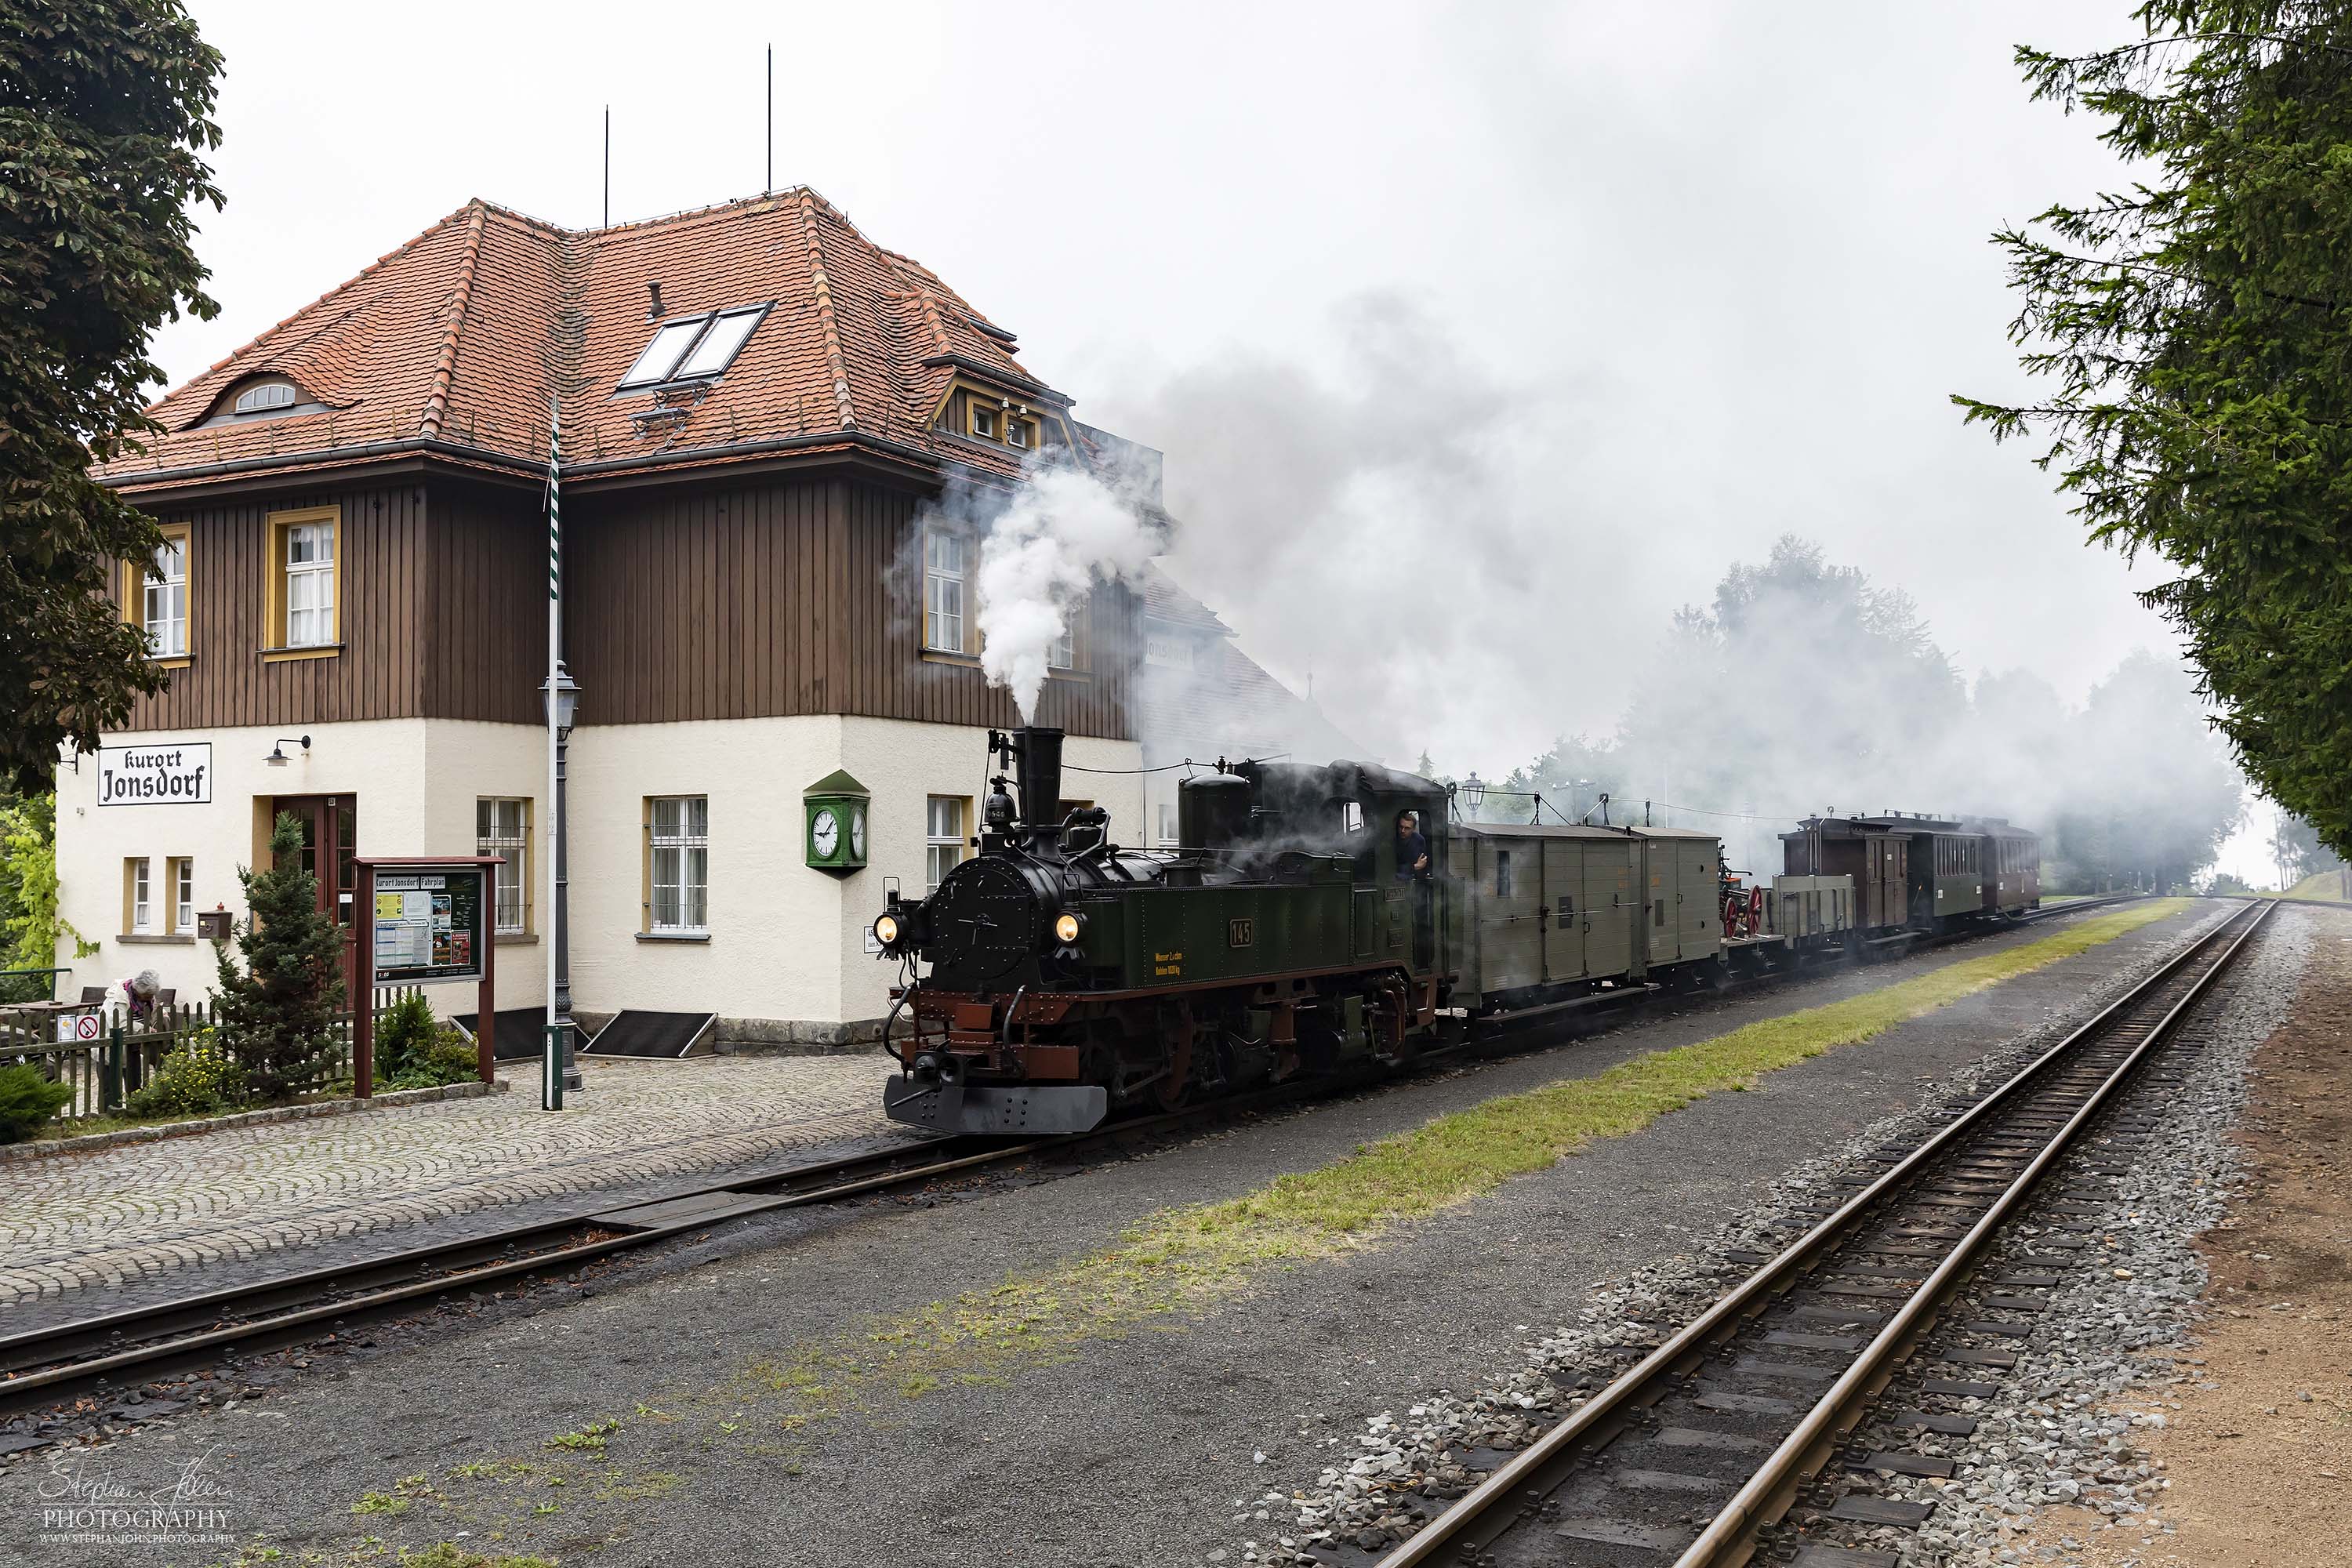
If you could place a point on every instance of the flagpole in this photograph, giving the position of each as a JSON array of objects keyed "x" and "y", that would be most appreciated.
[
  {"x": 552, "y": 1090},
  {"x": 558, "y": 1070}
]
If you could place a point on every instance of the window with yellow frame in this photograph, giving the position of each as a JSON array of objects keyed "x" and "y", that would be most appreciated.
[
  {"x": 302, "y": 588},
  {"x": 992, "y": 418},
  {"x": 156, "y": 596}
]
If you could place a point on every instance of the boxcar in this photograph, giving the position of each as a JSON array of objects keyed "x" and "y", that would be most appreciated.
[{"x": 1544, "y": 907}]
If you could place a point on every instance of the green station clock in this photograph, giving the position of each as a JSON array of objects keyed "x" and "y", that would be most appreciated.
[{"x": 834, "y": 809}]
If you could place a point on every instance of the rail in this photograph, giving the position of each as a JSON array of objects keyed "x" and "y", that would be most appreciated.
[{"x": 1514, "y": 1492}]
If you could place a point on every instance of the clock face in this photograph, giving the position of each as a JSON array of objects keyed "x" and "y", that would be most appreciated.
[
  {"x": 826, "y": 833},
  {"x": 858, "y": 834}
]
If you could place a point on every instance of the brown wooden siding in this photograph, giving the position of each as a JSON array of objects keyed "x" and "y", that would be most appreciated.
[
  {"x": 486, "y": 643},
  {"x": 381, "y": 597},
  {"x": 786, "y": 597}
]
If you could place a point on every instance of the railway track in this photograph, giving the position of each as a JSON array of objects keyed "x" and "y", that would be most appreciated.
[
  {"x": 1694, "y": 1452},
  {"x": 43, "y": 1367}
]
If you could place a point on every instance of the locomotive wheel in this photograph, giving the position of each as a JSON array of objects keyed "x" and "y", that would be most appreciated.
[
  {"x": 1170, "y": 1092},
  {"x": 1177, "y": 1028}
]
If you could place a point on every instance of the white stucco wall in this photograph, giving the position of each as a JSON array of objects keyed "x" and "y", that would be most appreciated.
[
  {"x": 787, "y": 940},
  {"x": 415, "y": 780}
]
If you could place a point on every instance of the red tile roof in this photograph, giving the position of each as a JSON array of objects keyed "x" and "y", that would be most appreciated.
[{"x": 463, "y": 334}]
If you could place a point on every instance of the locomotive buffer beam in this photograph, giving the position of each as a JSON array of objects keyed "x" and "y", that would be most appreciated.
[{"x": 995, "y": 1108}]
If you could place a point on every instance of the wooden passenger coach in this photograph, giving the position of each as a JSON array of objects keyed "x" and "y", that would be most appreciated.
[{"x": 1921, "y": 873}]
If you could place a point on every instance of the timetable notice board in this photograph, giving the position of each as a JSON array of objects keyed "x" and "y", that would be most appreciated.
[{"x": 429, "y": 925}]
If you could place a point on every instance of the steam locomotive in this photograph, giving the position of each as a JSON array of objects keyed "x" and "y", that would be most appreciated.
[{"x": 1289, "y": 935}]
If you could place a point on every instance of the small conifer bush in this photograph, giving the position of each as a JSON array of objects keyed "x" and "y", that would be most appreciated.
[
  {"x": 28, "y": 1098},
  {"x": 276, "y": 1010}
]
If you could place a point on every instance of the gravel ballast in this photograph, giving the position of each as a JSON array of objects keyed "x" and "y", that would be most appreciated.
[
  {"x": 1128, "y": 1451},
  {"x": 2038, "y": 1443}
]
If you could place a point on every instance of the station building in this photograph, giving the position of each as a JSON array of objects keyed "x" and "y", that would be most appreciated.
[{"x": 757, "y": 404}]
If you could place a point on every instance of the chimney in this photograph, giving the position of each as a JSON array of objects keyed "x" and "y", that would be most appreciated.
[
  {"x": 653, "y": 304},
  {"x": 1037, "y": 765}
]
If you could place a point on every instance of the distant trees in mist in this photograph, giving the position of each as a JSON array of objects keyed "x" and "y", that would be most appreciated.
[{"x": 1803, "y": 688}]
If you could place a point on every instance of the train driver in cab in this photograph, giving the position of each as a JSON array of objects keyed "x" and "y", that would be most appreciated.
[{"x": 1413, "y": 849}]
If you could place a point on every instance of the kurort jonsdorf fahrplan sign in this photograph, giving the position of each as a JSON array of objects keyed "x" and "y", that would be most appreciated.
[{"x": 179, "y": 773}]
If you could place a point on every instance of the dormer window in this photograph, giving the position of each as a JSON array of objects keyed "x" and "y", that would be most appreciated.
[
  {"x": 984, "y": 414},
  {"x": 263, "y": 396},
  {"x": 693, "y": 348}
]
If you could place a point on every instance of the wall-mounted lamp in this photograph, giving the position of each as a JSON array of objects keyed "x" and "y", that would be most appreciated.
[{"x": 278, "y": 757}]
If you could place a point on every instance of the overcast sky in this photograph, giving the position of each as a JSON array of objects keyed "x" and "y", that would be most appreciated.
[{"x": 1565, "y": 307}]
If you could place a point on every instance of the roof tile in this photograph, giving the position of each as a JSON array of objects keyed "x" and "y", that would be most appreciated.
[{"x": 465, "y": 332}]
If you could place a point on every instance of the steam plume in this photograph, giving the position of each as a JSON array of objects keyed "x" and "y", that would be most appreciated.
[{"x": 1063, "y": 530}]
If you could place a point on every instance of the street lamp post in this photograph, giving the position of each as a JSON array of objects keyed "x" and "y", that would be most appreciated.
[{"x": 561, "y": 695}]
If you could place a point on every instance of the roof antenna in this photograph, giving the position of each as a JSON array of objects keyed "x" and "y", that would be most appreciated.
[
  {"x": 608, "y": 166},
  {"x": 770, "y": 188}
]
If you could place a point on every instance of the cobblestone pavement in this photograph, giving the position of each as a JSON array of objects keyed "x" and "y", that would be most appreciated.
[{"x": 120, "y": 1215}]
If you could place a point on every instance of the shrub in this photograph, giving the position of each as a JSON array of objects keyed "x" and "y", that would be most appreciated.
[
  {"x": 447, "y": 1057},
  {"x": 201, "y": 1077},
  {"x": 28, "y": 1100},
  {"x": 415, "y": 1050},
  {"x": 402, "y": 1033}
]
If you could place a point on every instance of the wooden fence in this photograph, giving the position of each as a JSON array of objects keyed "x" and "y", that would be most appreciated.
[{"x": 129, "y": 1049}]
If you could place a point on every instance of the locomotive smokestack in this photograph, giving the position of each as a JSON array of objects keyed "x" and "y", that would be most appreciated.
[{"x": 1037, "y": 750}]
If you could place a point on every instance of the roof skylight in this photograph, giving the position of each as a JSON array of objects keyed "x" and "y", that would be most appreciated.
[{"x": 694, "y": 348}]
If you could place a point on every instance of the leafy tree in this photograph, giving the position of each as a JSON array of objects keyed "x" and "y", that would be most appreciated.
[
  {"x": 105, "y": 108},
  {"x": 277, "y": 1012},
  {"x": 2196, "y": 334},
  {"x": 2228, "y": 882},
  {"x": 1573, "y": 776},
  {"x": 2152, "y": 794},
  {"x": 1806, "y": 687},
  {"x": 30, "y": 927},
  {"x": 2297, "y": 851},
  {"x": 1803, "y": 687}
]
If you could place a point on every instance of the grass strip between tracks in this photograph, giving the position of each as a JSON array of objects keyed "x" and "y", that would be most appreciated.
[
  {"x": 1168, "y": 1267},
  {"x": 1188, "y": 1258}
]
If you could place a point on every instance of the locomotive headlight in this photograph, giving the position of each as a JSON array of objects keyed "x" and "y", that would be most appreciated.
[
  {"x": 1067, "y": 925},
  {"x": 885, "y": 931}
]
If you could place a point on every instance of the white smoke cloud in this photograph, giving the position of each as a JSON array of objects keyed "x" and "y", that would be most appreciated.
[{"x": 1063, "y": 532}]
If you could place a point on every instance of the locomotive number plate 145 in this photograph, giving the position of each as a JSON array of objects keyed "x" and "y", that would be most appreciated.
[{"x": 1241, "y": 933}]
